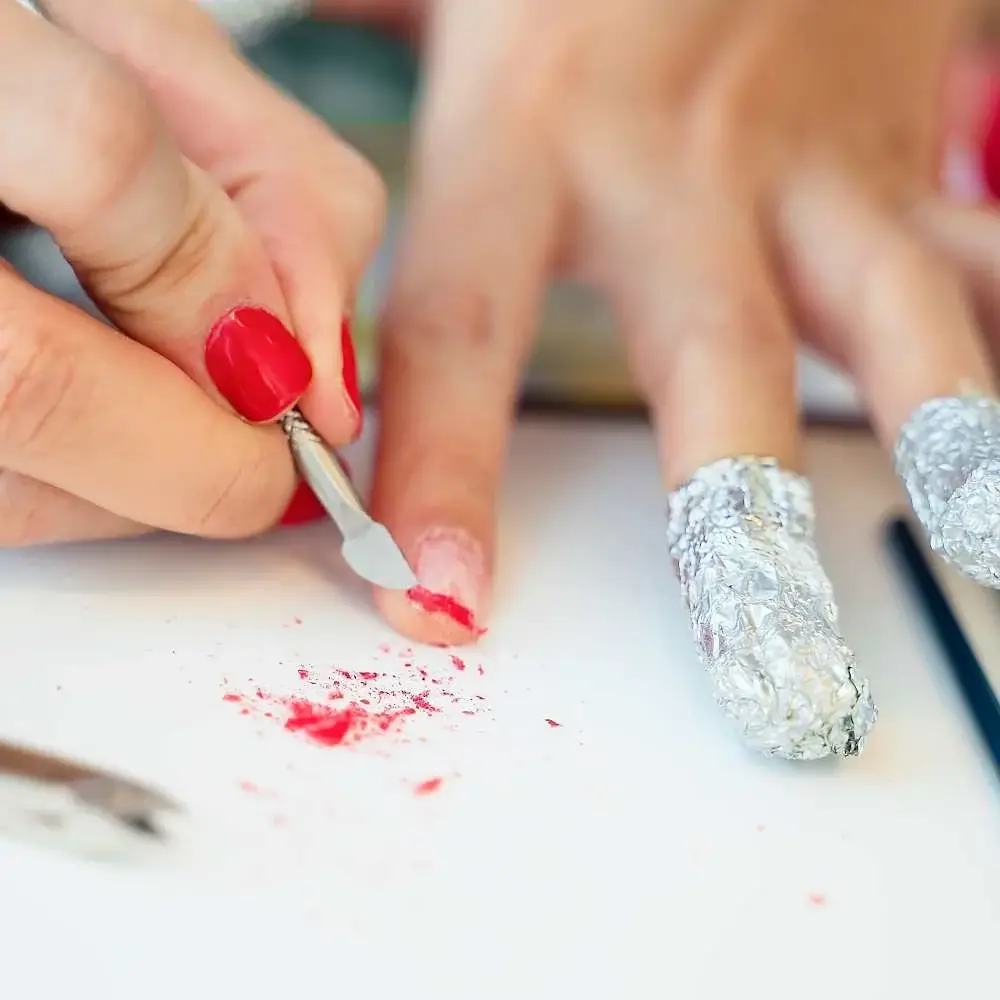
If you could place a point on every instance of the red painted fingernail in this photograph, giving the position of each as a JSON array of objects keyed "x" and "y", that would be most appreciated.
[
  {"x": 303, "y": 508},
  {"x": 256, "y": 363},
  {"x": 991, "y": 147},
  {"x": 350, "y": 370}
]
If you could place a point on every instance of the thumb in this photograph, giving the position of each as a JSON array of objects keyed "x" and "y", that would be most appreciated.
[{"x": 311, "y": 205}]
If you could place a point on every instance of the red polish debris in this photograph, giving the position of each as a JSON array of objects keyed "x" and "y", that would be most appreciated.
[{"x": 335, "y": 706}]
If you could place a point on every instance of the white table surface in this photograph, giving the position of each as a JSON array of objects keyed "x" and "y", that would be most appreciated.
[{"x": 636, "y": 851}]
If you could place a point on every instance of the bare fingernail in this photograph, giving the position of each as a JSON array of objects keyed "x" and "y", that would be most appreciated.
[
  {"x": 762, "y": 610},
  {"x": 948, "y": 457},
  {"x": 450, "y": 567}
]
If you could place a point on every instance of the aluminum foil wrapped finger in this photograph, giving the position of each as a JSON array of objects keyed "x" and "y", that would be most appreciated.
[
  {"x": 762, "y": 610},
  {"x": 948, "y": 457}
]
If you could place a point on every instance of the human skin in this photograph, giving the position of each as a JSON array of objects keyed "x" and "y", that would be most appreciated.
[{"x": 734, "y": 176}]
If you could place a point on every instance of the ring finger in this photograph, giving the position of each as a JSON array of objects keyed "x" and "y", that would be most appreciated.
[{"x": 908, "y": 331}]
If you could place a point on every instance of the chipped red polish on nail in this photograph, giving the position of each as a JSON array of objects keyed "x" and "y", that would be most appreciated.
[
  {"x": 350, "y": 372},
  {"x": 303, "y": 507},
  {"x": 442, "y": 604},
  {"x": 256, "y": 363}
]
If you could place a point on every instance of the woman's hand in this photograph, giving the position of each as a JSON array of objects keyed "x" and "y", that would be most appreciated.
[
  {"x": 208, "y": 216},
  {"x": 733, "y": 175}
]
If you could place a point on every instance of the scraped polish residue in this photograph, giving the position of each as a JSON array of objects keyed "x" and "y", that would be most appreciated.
[
  {"x": 428, "y": 787},
  {"x": 442, "y": 604},
  {"x": 338, "y": 707}
]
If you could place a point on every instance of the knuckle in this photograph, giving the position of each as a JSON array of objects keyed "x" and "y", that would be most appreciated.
[
  {"x": 361, "y": 199},
  {"x": 179, "y": 264},
  {"x": 439, "y": 318},
  {"x": 367, "y": 184},
  {"x": 37, "y": 380},
  {"x": 115, "y": 133}
]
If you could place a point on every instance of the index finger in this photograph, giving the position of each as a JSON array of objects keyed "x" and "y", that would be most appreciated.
[{"x": 158, "y": 244}]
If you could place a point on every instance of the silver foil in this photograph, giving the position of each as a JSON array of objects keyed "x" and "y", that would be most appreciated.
[
  {"x": 948, "y": 456},
  {"x": 762, "y": 610}
]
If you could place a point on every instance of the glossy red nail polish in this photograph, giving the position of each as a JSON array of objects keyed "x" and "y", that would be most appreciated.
[
  {"x": 990, "y": 156},
  {"x": 256, "y": 363},
  {"x": 350, "y": 369},
  {"x": 303, "y": 508}
]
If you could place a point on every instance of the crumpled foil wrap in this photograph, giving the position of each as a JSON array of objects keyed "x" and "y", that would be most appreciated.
[
  {"x": 762, "y": 610},
  {"x": 948, "y": 456}
]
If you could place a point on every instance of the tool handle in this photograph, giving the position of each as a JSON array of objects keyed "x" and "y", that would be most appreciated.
[{"x": 323, "y": 471}]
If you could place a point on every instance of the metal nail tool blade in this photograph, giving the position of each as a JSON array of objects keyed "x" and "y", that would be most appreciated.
[
  {"x": 367, "y": 547},
  {"x": 46, "y": 798}
]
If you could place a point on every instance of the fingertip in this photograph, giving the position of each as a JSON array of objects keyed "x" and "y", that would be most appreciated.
[
  {"x": 333, "y": 402},
  {"x": 450, "y": 605},
  {"x": 431, "y": 629}
]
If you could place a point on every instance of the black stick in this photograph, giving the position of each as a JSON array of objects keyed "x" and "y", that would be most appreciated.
[{"x": 980, "y": 698}]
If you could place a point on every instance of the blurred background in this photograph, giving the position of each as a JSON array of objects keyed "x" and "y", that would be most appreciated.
[{"x": 364, "y": 83}]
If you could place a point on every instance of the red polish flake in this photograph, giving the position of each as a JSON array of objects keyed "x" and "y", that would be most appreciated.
[
  {"x": 326, "y": 726},
  {"x": 442, "y": 604},
  {"x": 303, "y": 673},
  {"x": 457, "y": 662},
  {"x": 553, "y": 724},
  {"x": 480, "y": 670},
  {"x": 428, "y": 787},
  {"x": 368, "y": 675},
  {"x": 420, "y": 700},
  {"x": 297, "y": 621},
  {"x": 232, "y": 697},
  {"x": 249, "y": 786},
  {"x": 816, "y": 899}
]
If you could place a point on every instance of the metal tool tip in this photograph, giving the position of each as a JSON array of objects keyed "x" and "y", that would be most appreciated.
[{"x": 374, "y": 555}]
